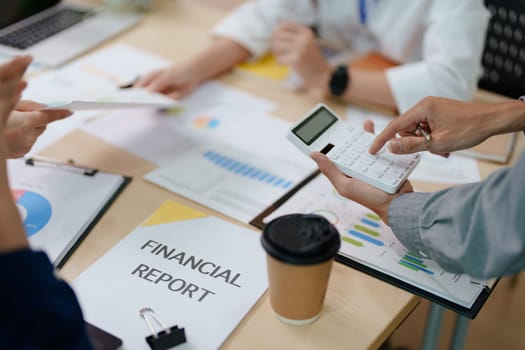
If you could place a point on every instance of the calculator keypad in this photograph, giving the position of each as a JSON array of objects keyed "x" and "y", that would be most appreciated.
[{"x": 384, "y": 166}]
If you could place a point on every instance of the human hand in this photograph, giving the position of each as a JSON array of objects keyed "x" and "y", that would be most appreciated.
[
  {"x": 296, "y": 46},
  {"x": 453, "y": 125},
  {"x": 357, "y": 190},
  {"x": 174, "y": 81},
  {"x": 12, "y": 235},
  {"x": 11, "y": 85},
  {"x": 26, "y": 123}
]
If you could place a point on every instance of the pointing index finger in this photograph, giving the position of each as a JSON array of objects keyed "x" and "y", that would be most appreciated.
[
  {"x": 405, "y": 122},
  {"x": 380, "y": 140}
]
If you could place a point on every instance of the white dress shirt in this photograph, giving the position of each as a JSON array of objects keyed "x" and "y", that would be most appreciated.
[{"x": 438, "y": 42}]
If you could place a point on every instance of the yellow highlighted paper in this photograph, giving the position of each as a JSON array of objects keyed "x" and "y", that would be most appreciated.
[
  {"x": 171, "y": 211},
  {"x": 266, "y": 67}
]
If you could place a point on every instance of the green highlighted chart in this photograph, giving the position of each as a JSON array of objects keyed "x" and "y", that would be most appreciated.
[
  {"x": 365, "y": 231},
  {"x": 414, "y": 262}
]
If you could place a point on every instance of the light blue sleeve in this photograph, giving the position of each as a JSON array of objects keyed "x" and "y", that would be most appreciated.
[{"x": 478, "y": 229}]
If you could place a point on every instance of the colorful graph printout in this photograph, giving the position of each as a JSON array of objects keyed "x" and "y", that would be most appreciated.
[
  {"x": 205, "y": 122},
  {"x": 244, "y": 169},
  {"x": 34, "y": 209},
  {"x": 229, "y": 180},
  {"x": 369, "y": 241},
  {"x": 58, "y": 202}
]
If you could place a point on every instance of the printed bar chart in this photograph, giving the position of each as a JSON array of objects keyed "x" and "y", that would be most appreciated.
[
  {"x": 373, "y": 217},
  {"x": 370, "y": 222},
  {"x": 246, "y": 170},
  {"x": 352, "y": 241},
  {"x": 365, "y": 230},
  {"x": 365, "y": 237},
  {"x": 413, "y": 262}
]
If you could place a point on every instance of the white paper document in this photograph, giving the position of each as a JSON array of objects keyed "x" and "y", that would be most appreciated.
[
  {"x": 455, "y": 169},
  {"x": 93, "y": 78},
  {"x": 366, "y": 239},
  {"x": 195, "y": 271},
  {"x": 215, "y": 112},
  {"x": 234, "y": 182},
  {"x": 118, "y": 99},
  {"x": 213, "y": 94},
  {"x": 221, "y": 149},
  {"x": 57, "y": 202}
]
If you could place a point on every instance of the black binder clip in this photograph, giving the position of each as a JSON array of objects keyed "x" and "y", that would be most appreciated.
[{"x": 164, "y": 339}]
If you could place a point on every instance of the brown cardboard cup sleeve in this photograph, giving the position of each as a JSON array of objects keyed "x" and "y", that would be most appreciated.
[{"x": 300, "y": 250}]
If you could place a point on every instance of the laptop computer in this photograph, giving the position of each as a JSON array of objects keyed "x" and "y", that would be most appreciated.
[{"x": 54, "y": 31}]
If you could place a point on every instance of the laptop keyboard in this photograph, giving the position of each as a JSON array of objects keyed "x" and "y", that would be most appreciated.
[{"x": 37, "y": 31}]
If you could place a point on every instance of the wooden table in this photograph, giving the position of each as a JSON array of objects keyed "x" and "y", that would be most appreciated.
[{"x": 360, "y": 311}]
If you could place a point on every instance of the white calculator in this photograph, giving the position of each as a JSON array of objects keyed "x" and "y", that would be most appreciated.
[{"x": 347, "y": 146}]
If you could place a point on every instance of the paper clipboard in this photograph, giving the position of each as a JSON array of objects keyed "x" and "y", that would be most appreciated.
[
  {"x": 461, "y": 310},
  {"x": 61, "y": 203},
  {"x": 469, "y": 312}
]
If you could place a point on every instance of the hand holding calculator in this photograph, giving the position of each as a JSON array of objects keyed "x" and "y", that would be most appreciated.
[{"x": 347, "y": 146}]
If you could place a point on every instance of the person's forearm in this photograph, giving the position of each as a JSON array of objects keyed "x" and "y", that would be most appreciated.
[
  {"x": 220, "y": 56},
  {"x": 370, "y": 86},
  {"x": 503, "y": 118},
  {"x": 476, "y": 228}
]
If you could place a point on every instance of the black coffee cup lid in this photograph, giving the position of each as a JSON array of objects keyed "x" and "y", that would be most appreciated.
[{"x": 301, "y": 239}]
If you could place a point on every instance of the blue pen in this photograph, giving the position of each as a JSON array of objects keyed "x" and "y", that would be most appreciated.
[{"x": 363, "y": 11}]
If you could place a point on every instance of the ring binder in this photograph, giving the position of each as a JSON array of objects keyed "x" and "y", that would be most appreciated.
[{"x": 164, "y": 339}]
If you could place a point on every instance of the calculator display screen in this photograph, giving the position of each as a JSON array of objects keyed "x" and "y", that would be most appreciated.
[{"x": 313, "y": 126}]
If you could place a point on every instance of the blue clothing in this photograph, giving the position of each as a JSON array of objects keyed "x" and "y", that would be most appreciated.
[
  {"x": 39, "y": 311},
  {"x": 478, "y": 228}
]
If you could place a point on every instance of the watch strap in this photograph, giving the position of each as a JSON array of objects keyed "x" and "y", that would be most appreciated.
[{"x": 339, "y": 80}]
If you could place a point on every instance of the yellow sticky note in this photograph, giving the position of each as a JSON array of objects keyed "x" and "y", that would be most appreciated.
[
  {"x": 171, "y": 211},
  {"x": 266, "y": 67}
]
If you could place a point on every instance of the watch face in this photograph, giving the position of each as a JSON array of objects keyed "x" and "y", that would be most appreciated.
[{"x": 339, "y": 80}]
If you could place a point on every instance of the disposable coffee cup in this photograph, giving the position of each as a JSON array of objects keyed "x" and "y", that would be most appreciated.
[{"x": 300, "y": 250}]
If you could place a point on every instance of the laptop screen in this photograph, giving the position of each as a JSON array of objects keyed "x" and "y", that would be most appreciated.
[{"x": 12, "y": 11}]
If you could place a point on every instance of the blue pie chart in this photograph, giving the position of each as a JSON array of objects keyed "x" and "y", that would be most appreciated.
[{"x": 35, "y": 210}]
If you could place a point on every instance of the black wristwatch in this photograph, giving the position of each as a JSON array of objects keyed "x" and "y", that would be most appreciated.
[{"x": 339, "y": 80}]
